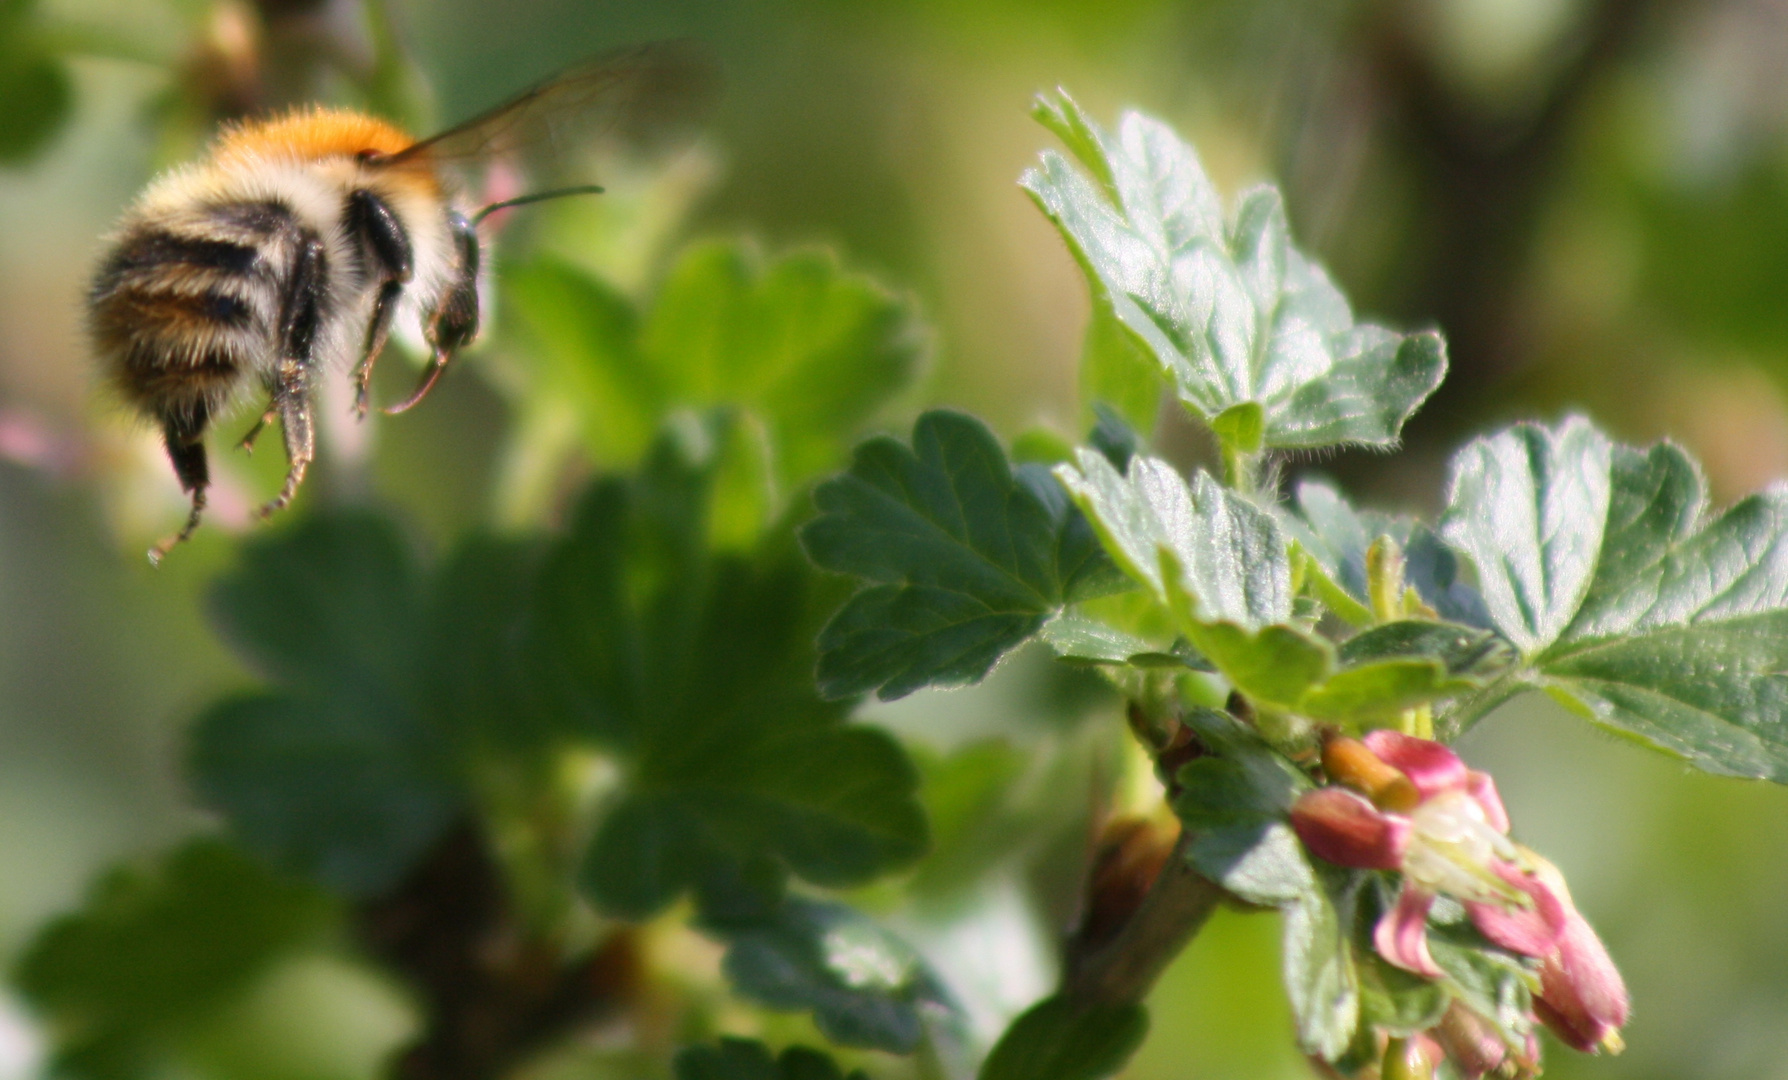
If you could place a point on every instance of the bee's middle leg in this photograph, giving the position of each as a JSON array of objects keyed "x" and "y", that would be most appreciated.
[
  {"x": 300, "y": 323},
  {"x": 291, "y": 401}
]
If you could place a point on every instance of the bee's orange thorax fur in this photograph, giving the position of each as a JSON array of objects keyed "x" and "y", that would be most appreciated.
[{"x": 310, "y": 133}]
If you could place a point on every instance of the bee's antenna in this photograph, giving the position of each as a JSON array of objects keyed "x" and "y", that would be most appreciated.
[{"x": 538, "y": 196}]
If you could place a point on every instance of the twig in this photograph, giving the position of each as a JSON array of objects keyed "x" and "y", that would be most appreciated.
[
  {"x": 1121, "y": 967},
  {"x": 493, "y": 995}
]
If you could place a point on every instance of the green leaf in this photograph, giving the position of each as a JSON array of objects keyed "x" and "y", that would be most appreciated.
[
  {"x": 341, "y": 773},
  {"x": 1230, "y": 557},
  {"x": 1059, "y": 1039},
  {"x": 155, "y": 949},
  {"x": 807, "y": 350},
  {"x": 747, "y": 1059},
  {"x": 1391, "y": 999},
  {"x": 1530, "y": 507},
  {"x": 1213, "y": 559},
  {"x": 1399, "y": 665},
  {"x": 816, "y": 351},
  {"x": 329, "y": 604},
  {"x": 1636, "y": 608},
  {"x": 696, "y": 668},
  {"x": 864, "y": 986},
  {"x": 1088, "y": 641},
  {"x": 1235, "y": 803},
  {"x": 37, "y": 90},
  {"x": 1488, "y": 981},
  {"x": 349, "y": 794},
  {"x": 1337, "y": 536},
  {"x": 585, "y": 351},
  {"x": 971, "y": 558},
  {"x": 1232, "y": 312},
  {"x": 1321, "y": 977}
]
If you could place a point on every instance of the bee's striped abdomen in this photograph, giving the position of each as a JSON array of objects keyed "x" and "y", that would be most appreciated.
[{"x": 183, "y": 308}]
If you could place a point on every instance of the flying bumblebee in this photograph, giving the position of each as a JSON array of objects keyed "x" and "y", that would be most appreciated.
[{"x": 294, "y": 244}]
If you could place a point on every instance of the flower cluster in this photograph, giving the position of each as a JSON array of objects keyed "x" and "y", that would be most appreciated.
[{"x": 1409, "y": 805}]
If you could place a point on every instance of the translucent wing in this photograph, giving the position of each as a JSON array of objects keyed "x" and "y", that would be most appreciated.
[{"x": 635, "y": 96}]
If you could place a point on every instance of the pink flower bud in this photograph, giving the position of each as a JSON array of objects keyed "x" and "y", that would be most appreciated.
[
  {"x": 1582, "y": 998},
  {"x": 1347, "y": 830},
  {"x": 1431, "y": 767},
  {"x": 1470, "y": 1042}
]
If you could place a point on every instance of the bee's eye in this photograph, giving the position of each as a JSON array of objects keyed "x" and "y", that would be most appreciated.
[{"x": 369, "y": 157}]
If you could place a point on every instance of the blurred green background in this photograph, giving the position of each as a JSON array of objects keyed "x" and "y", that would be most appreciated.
[{"x": 1590, "y": 197}]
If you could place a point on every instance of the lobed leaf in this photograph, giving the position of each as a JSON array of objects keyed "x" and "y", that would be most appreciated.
[
  {"x": 696, "y": 668},
  {"x": 339, "y": 773},
  {"x": 809, "y": 351},
  {"x": 1235, "y": 316},
  {"x": 157, "y": 948},
  {"x": 970, "y": 556},
  {"x": 864, "y": 986},
  {"x": 1631, "y": 604}
]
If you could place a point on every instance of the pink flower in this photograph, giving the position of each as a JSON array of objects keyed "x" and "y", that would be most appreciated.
[
  {"x": 1581, "y": 998},
  {"x": 1411, "y": 805}
]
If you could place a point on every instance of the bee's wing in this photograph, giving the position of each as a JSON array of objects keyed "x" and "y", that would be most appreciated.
[{"x": 633, "y": 95}]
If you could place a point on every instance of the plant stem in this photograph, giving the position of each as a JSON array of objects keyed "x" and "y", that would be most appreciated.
[
  {"x": 1241, "y": 470},
  {"x": 1121, "y": 968}
]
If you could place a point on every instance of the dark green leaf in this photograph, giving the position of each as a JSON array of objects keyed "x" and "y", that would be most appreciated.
[
  {"x": 343, "y": 775},
  {"x": 329, "y": 605},
  {"x": 156, "y": 948},
  {"x": 1462, "y": 651},
  {"x": 1640, "y": 612},
  {"x": 1233, "y": 313},
  {"x": 972, "y": 558},
  {"x": 747, "y": 1059},
  {"x": 1114, "y": 437},
  {"x": 697, "y": 668},
  {"x": 863, "y": 986},
  {"x": 347, "y": 793},
  {"x": 1235, "y": 804},
  {"x": 1058, "y": 1039},
  {"x": 39, "y": 96}
]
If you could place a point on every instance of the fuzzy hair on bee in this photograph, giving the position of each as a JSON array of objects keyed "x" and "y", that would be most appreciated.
[{"x": 289, "y": 250}]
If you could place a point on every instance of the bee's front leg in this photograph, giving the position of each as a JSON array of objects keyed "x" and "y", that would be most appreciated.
[
  {"x": 454, "y": 322},
  {"x": 292, "y": 377},
  {"x": 381, "y": 232}
]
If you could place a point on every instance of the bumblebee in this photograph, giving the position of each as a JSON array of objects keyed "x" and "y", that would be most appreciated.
[{"x": 291, "y": 248}]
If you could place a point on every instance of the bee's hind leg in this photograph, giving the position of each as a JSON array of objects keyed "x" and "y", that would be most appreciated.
[{"x": 184, "y": 436}]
